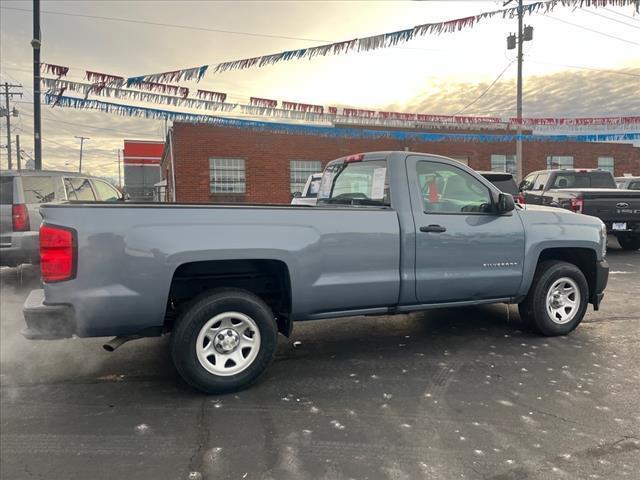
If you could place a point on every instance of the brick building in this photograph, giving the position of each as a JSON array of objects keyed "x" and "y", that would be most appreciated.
[{"x": 231, "y": 164}]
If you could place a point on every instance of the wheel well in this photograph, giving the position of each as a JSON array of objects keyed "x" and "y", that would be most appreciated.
[
  {"x": 268, "y": 279},
  {"x": 583, "y": 258}
]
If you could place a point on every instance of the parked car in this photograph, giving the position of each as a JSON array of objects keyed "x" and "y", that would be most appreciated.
[
  {"x": 21, "y": 195},
  {"x": 592, "y": 192},
  {"x": 309, "y": 194},
  {"x": 505, "y": 182},
  {"x": 393, "y": 232},
  {"x": 628, "y": 183}
]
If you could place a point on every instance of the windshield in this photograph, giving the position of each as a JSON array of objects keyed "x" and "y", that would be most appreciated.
[
  {"x": 355, "y": 183},
  {"x": 583, "y": 180}
]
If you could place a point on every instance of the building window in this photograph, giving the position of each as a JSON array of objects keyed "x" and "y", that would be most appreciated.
[
  {"x": 503, "y": 163},
  {"x": 606, "y": 164},
  {"x": 555, "y": 162},
  {"x": 226, "y": 175},
  {"x": 300, "y": 171}
]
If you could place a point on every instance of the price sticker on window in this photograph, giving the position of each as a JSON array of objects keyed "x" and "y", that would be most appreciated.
[{"x": 377, "y": 185}]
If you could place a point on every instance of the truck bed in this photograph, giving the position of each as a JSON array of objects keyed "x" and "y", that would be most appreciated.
[{"x": 128, "y": 254}]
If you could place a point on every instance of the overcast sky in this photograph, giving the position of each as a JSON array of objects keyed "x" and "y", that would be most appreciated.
[{"x": 435, "y": 74}]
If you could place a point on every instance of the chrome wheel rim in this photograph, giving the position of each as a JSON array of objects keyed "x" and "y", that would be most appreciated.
[
  {"x": 563, "y": 300},
  {"x": 228, "y": 343}
]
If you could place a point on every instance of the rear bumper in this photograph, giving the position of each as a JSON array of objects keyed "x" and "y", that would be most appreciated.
[
  {"x": 24, "y": 248},
  {"x": 47, "y": 322},
  {"x": 602, "y": 277},
  {"x": 632, "y": 227}
]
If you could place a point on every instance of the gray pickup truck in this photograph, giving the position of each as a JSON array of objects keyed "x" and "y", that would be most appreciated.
[{"x": 393, "y": 232}]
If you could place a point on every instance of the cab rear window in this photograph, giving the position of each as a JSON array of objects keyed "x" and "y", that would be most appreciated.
[
  {"x": 583, "y": 180},
  {"x": 355, "y": 183},
  {"x": 507, "y": 185}
]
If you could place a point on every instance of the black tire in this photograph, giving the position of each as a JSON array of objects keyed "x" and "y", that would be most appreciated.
[
  {"x": 629, "y": 242},
  {"x": 533, "y": 309},
  {"x": 192, "y": 320}
]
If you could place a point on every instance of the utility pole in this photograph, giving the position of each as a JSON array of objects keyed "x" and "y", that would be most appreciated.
[
  {"x": 82, "y": 139},
  {"x": 18, "y": 156},
  {"x": 519, "y": 97},
  {"x": 6, "y": 112},
  {"x": 524, "y": 34},
  {"x": 37, "y": 124}
]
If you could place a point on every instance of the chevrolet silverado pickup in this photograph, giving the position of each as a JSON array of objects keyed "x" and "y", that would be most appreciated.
[
  {"x": 592, "y": 192},
  {"x": 393, "y": 232}
]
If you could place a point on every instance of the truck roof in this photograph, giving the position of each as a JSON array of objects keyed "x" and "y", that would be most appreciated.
[
  {"x": 383, "y": 155},
  {"x": 42, "y": 173}
]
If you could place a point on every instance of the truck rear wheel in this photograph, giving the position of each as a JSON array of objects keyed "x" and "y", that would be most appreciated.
[
  {"x": 628, "y": 242},
  {"x": 557, "y": 299},
  {"x": 224, "y": 340}
]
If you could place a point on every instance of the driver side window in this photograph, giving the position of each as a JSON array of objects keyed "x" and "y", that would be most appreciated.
[{"x": 448, "y": 189}]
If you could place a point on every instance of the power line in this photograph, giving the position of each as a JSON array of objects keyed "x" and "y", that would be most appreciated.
[
  {"x": 120, "y": 132},
  {"x": 612, "y": 19},
  {"x": 582, "y": 67},
  {"x": 487, "y": 89},
  {"x": 171, "y": 25},
  {"x": 214, "y": 30},
  {"x": 622, "y": 14},
  {"x": 591, "y": 30}
]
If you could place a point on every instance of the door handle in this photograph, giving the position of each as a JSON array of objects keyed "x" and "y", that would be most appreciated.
[{"x": 433, "y": 229}]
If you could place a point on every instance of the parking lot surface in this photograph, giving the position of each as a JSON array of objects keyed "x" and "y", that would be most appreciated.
[{"x": 445, "y": 394}]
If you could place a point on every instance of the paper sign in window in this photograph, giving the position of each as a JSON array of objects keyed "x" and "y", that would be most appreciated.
[{"x": 377, "y": 186}]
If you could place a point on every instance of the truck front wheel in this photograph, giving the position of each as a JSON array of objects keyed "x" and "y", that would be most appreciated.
[
  {"x": 224, "y": 340},
  {"x": 557, "y": 299},
  {"x": 628, "y": 242}
]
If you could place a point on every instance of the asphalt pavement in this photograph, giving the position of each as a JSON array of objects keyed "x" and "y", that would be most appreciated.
[{"x": 446, "y": 394}]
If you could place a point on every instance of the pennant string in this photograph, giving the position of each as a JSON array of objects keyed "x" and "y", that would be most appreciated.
[
  {"x": 153, "y": 113},
  {"x": 214, "y": 101},
  {"x": 375, "y": 42}
]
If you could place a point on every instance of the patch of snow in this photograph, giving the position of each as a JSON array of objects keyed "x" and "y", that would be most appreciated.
[
  {"x": 337, "y": 424},
  {"x": 143, "y": 429}
]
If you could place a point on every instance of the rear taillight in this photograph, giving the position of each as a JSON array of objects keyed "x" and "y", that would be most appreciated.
[
  {"x": 576, "y": 205},
  {"x": 57, "y": 253},
  {"x": 20, "y": 217},
  {"x": 520, "y": 199}
]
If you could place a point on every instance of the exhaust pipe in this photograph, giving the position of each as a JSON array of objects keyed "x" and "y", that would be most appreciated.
[{"x": 116, "y": 342}]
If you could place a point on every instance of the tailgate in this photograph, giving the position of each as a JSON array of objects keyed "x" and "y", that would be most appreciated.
[{"x": 613, "y": 206}]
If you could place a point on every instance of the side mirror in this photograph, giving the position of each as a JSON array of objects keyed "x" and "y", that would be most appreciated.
[
  {"x": 125, "y": 197},
  {"x": 505, "y": 203},
  {"x": 297, "y": 194}
]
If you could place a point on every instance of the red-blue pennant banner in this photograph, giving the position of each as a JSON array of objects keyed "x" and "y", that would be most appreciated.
[
  {"x": 263, "y": 102},
  {"x": 375, "y": 42},
  {"x": 57, "y": 70},
  {"x": 214, "y": 96},
  {"x": 296, "y": 129},
  {"x": 205, "y": 100},
  {"x": 104, "y": 78}
]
